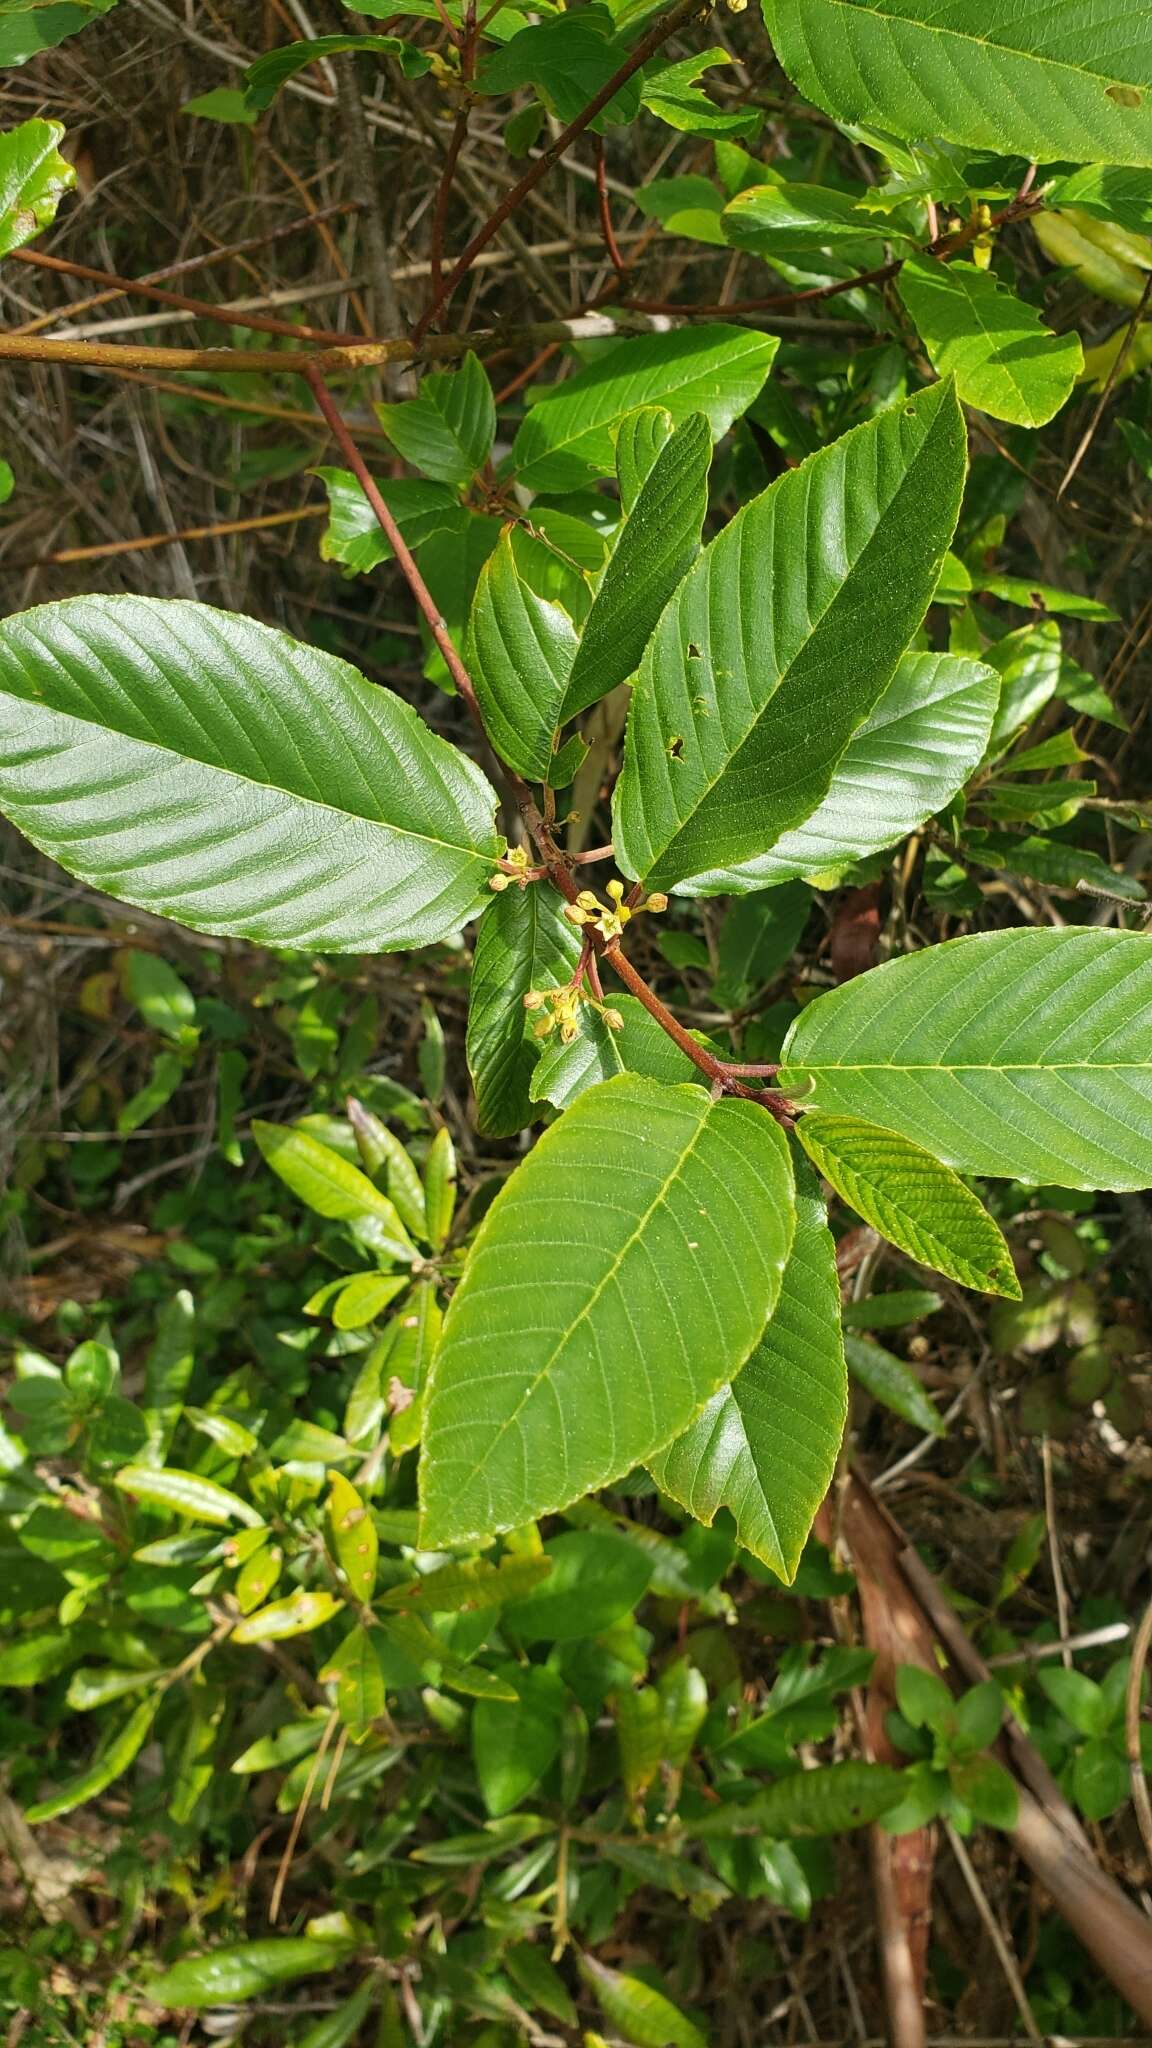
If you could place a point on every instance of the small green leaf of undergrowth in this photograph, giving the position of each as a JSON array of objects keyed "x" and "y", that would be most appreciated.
[
  {"x": 167, "y": 753},
  {"x": 623, "y": 1274},
  {"x": 447, "y": 431},
  {"x": 911, "y": 1199},
  {"x": 33, "y": 179},
  {"x": 766, "y": 1446},
  {"x": 1005, "y": 361},
  {"x": 226, "y": 1975},
  {"x": 798, "y": 601},
  {"x": 888, "y": 1380},
  {"x": 1025, "y": 1054}
]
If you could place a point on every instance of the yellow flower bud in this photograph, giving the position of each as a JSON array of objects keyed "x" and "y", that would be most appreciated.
[
  {"x": 498, "y": 882},
  {"x": 616, "y": 890},
  {"x": 534, "y": 1000},
  {"x": 614, "y": 1020},
  {"x": 543, "y": 1025},
  {"x": 574, "y": 914},
  {"x": 657, "y": 902},
  {"x": 587, "y": 900}
]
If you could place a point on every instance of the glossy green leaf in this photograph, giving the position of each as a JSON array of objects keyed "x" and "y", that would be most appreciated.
[
  {"x": 891, "y": 1382},
  {"x": 469, "y": 1588},
  {"x": 675, "y": 94},
  {"x": 566, "y": 440},
  {"x": 637, "y": 2011},
  {"x": 541, "y": 1986},
  {"x": 911, "y": 1199},
  {"x": 354, "y": 1537},
  {"x": 298, "y": 1614},
  {"x": 33, "y": 179},
  {"x": 522, "y": 943},
  {"x": 448, "y": 430},
  {"x": 167, "y": 1072},
  {"x": 329, "y": 1184},
  {"x": 640, "y": 437},
  {"x": 28, "y": 26},
  {"x": 186, "y": 1493},
  {"x": 1005, "y": 361},
  {"x": 689, "y": 206},
  {"x": 210, "y": 769},
  {"x": 781, "y": 641},
  {"x": 520, "y": 652},
  {"x": 165, "y": 1002},
  {"x": 622, "y": 1274},
  {"x": 365, "y": 1297},
  {"x": 568, "y": 58},
  {"x": 826, "y": 1800},
  {"x": 796, "y": 220},
  {"x": 226, "y": 1975},
  {"x": 757, "y": 940},
  {"x": 514, "y": 1742},
  {"x": 264, "y": 78},
  {"x": 765, "y": 1447},
  {"x": 354, "y": 535},
  {"x": 1063, "y": 83},
  {"x": 1109, "y": 192},
  {"x": 928, "y": 734},
  {"x": 656, "y": 546},
  {"x": 596, "y": 1577},
  {"x": 119, "y": 1751},
  {"x": 1025, "y": 1054},
  {"x": 598, "y": 1053},
  {"x": 167, "y": 1372},
  {"x": 381, "y": 1148}
]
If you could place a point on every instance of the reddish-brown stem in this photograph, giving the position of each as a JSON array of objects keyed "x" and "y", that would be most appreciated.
[
  {"x": 656, "y": 37},
  {"x": 605, "y": 205},
  {"x": 467, "y": 45}
]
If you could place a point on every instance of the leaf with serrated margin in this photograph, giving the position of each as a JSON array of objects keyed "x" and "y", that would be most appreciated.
[
  {"x": 521, "y": 648},
  {"x": 212, "y": 770},
  {"x": 911, "y": 1199},
  {"x": 33, "y": 179},
  {"x": 1063, "y": 83},
  {"x": 766, "y": 1446},
  {"x": 448, "y": 429},
  {"x": 781, "y": 640},
  {"x": 927, "y": 735},
  {"x": 598, "y": 1053},
  {"x": 1022, "y": 1054},
  {"x": 354, "y": 535},
  {"x": 522, "y": 942},
  {"x": 624, "y": 1272},
  {"x": 657, "y": 545},
  {"x": 566, "y": 440},
  {"x": 1108, "y": 192}
]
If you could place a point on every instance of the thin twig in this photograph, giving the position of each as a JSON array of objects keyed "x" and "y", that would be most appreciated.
[
  {"x": 1140, "y": 1798},
  {"x": 995, "y": 1933},
  {"x": 1110, "y": 383}
]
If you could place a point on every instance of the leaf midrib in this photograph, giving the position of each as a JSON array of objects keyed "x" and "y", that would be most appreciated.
[{"x": 250, "y": 781}]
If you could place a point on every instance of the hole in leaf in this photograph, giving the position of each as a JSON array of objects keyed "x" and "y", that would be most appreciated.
[
  {"x": 676, "y": 748},
  {"x": 693, "y": 651},
  {"x": 1124, "y": 95}
]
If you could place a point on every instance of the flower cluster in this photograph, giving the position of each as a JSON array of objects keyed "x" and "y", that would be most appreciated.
[
  {"x": 560, "y": 1010},
  {"x": 610, "y": 918}
]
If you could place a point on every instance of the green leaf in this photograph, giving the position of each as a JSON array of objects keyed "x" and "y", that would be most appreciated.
[
  {"x": 928, "y": 734},
  {"x": 329, "y": 1185},
  {"x": 826, "y": 1800},
  {"x": 796, "y": 220},
  {"x": 911, "y": 1199},
  {"x": 168, "y": 1371},
  {"x": 1055, "y": 862},
  {"x": 623, "y": 1273},
  {"x": 1062, "y": 83},
  {"x": 1108, "y": 192},
  {"x": 780, "y": 642},
  {"x": 36, "y": 1656},
  {"x": 568, "y": 59},
  {"x": 891, "y": 1311},
  {"x": 227, "y": 1975},
  {"x": 1101, "y": 1781},
  {"x": 1023, "y": 1054},
  {"x": 354, "y": 1669},
  {"x": 225, "y": 103},
  {"x": 469, "y": 1588},
  {"x": 1078, "y": 1698},
  {"x": 766, "y": 1446},
  {"x": 448, "y": 430},
  {"x": 33, "y": 178},
  {"x": 210, "y": 769},
  {"x": 888, "y": 1380},
  {"x": 641, "y": 2014},
  {"x": 542, "y": 1986},
  {"x": 566, "y": 439},
  {"x": 514, "y": 1743},
  {"x": 598, "y": 1053},
  {"x": 522, "y": 943},
  {"x": 656, "y": 546},
  {"x": 978, "y": 1717},
  {"x": 1005, "y": 361},
  {"x": 379, "y": 1147},
  {"x": 296, "y": 1615},
  {"x": 167, "y": 1072},
  {"x": 924, "y": 1698},
  {"x": 986, "y": 1787},
  {"x": 640, "y": 1734},
  {"x": 118, "y": 1752},
  {"x": 365, "y": 1297},
  {"x": 685, "y": 206},
  {"x": 520, "y": 653},
  {"x": 354, "y": 1537},
  {"x": 264, "y": 78},
  {"x": 165, "y": 1002},
  {"x": 355, "y": 536},
  {"x": 27, "y": 26},
  {"x": 186, "y": 1493},
  {"x": 596, "y": 1578},
  {"x": 757, "y": 940},
  {"x": 673, "y": 93}
]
